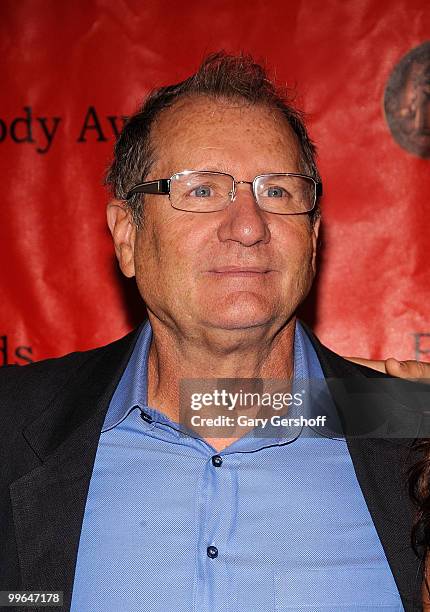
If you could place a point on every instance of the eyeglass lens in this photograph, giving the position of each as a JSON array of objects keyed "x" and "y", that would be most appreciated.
[{"x": 209, "y": 192}]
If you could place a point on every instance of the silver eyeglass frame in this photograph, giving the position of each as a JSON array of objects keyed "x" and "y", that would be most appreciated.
[{"x": 162, "y": 187}]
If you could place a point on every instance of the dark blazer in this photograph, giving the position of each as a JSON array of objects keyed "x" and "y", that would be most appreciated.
[{"x": 51, "y": 415}]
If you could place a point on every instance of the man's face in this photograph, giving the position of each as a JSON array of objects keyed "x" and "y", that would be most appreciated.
[{"x": 232, "y": 269}]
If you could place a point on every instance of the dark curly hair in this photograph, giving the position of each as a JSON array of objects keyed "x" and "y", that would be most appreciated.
[{"x": 419, "y": 491}]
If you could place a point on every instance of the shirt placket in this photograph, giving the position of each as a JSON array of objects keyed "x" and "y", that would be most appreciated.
[{"x": 216, "y": 512}]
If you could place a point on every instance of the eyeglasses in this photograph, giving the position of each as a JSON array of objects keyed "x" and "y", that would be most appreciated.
[{"x": 205, "y": 191}]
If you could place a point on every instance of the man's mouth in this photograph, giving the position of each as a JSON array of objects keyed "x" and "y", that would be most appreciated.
[{"x": 240, "y": 270}]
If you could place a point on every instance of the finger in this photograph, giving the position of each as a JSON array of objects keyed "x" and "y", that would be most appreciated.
[
  {"x": 369, "y": 363},
  {"x": 408, "y": 369}
]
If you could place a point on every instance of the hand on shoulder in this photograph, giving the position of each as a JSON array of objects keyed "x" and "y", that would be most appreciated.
[{"x": 393, "y": 367}]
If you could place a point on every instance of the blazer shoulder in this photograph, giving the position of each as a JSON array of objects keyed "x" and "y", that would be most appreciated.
[
  {"x": 371, "y": 394},
  {"x": 25, "y": 390},
  {"x": 334, "y": 365}
]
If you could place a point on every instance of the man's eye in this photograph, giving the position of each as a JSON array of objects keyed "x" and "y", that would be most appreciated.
[
  {"x": 202, "y": 191},
  {"x": 275, "y": 192}
]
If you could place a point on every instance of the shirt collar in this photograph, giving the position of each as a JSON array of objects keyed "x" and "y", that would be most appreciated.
[{"x": 132, "y": 389}]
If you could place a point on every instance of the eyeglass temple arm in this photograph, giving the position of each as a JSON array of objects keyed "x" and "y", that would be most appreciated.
[
  {"x": 319, "y": 190},
  {"x": 161, "y": 187}
]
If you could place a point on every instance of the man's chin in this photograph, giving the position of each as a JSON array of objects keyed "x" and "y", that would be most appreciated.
[
  {"x": 238, "y": 324},
  {"x": 241, "y": 311}
]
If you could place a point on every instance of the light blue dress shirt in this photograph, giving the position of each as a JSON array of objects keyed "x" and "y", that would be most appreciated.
[{"x": 280, "y": 525}]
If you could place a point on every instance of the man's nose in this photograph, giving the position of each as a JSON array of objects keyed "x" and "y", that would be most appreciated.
[{"x": 243, "y": 220}]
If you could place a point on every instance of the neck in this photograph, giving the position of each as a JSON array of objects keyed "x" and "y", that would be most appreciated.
[{"x": 260, "y": 352}]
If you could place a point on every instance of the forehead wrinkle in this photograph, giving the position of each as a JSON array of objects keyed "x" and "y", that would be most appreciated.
[{"x": 175, "y": 124}]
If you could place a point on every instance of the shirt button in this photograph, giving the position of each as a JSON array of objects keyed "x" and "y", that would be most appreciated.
[
  {"x": 217, "y": 460},
  {"x": 146, "y": 417},
  {"x": 212, "y": 552}
]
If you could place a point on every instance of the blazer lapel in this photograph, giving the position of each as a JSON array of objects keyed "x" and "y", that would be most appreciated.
[
  {"x": 381, "y": 466},
  {"x": 48, "y": 502}
]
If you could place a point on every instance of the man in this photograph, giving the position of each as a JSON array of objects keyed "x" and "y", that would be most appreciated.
[{"x": 108, "y": 497}]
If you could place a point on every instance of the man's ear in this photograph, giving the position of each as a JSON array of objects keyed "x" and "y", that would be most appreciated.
[
  {"x": 315, "y": 230},
  {"x": 123, "y": 231}
]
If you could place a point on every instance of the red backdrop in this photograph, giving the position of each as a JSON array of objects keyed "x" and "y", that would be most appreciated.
[{"x": 70, "y": 70}]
